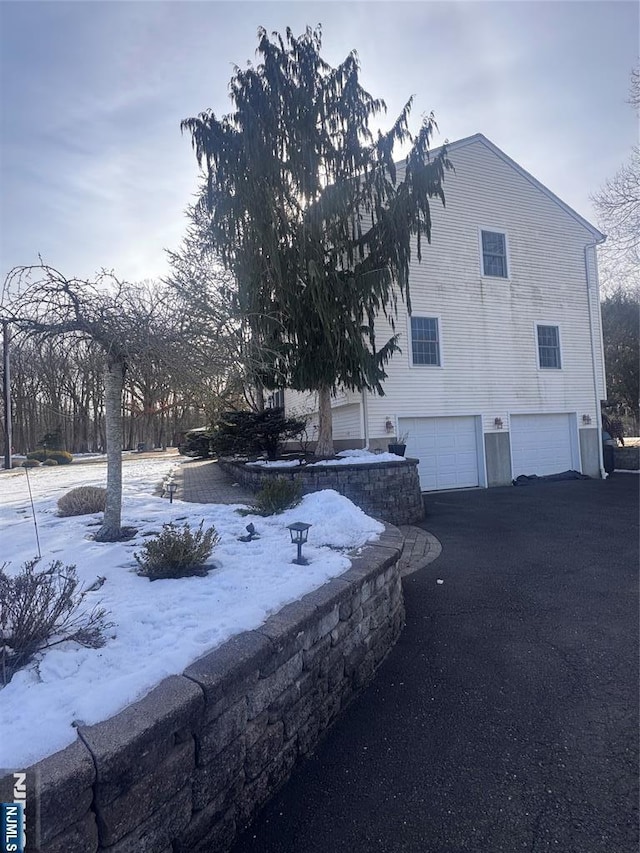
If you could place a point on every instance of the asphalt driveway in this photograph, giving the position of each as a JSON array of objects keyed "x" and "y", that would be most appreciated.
[{"x": 506, "y": 718}]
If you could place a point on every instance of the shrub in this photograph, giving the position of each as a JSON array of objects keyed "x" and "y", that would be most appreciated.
[
  {"x": 62, "y": 457},
  {"x": 275, "y": 497},
  {"x": 50, "y": 462},
  {"x": 177, "y": 552},
  {"x": 196, "y": 443},
  {"x": 42, "y": 609},
  {"x": 254, "y": 432},
  {"x": 82, "y": 500},
  {"x": 30, "y": 463}
]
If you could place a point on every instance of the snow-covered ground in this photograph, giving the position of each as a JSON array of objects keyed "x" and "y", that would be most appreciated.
[{"x": 162, "y": 626}]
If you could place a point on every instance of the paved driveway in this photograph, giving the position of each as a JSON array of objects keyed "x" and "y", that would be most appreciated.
[{"x": 506, "y": 718}]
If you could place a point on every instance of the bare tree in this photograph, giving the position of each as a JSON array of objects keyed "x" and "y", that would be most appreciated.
[
  {"x": 105, "y": 314},
  {"x": 618, "y": 206},
  {"x": 208, "y": 294}
]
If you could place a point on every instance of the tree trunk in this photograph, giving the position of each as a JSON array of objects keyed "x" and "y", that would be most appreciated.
[
  {"x": 111, "y": 530},
  {"x": 324, "y": 447}
]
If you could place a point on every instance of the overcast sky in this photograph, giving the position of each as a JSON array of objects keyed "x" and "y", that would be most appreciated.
[{"x": 95, "y": 172}]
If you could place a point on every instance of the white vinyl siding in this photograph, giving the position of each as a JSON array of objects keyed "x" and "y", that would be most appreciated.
[
  {"x": 490, "y": 366},
  {"x": 489, "y": 362},
  {"x": 347, "y": 422}
]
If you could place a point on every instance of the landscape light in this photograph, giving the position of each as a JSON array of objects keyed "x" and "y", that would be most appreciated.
[
  {"x": 172, "y": 488},
  {"x": 299, "y": 533}
]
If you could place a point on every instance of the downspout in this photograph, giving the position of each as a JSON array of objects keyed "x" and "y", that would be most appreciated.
[
  {"x": 365, "y": 418},
  {"x": 589, "y": 246}
]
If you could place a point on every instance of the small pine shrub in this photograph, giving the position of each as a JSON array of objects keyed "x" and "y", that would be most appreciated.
[
  {"x": 50, "y": 463},
  {"x": 83, "y": 500},
  {"x": 276, "y": 496},
  {"x": 62, "y": 457},
  {"x": 43, "y": 609},
  {"x": 177, "y": 552},
  {"x": 31, "y": 463},
  {"x": 253, "y": 432}
]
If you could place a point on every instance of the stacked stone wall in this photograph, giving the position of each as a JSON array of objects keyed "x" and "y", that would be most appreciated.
[
  {"x": 386, "y": 490},
  {"x": 187, "y": 767},
  {"x": 627, "y": 458}
]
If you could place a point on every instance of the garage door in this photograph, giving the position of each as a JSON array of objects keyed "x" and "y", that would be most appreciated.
[
  {"x": 542, "y": 444},
  {"x": 447, "y": 449}
]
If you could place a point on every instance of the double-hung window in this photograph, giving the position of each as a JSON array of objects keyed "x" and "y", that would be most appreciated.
[
  {"x": 425, "y": 341},
  {"x": 549, "y": 347},
  {"x": 494, "y": 254}
]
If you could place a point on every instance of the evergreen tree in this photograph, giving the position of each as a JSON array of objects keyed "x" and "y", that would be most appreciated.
[{"x": 306, "y": 208}]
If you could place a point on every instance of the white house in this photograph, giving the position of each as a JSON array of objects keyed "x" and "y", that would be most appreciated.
[{"x": 502, "y": 370}]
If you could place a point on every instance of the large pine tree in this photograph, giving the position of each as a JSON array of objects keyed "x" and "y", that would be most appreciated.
[{"x": 306, "y": 208}]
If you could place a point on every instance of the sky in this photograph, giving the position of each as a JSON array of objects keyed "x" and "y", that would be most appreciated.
[{"x": 95, "y": 173}]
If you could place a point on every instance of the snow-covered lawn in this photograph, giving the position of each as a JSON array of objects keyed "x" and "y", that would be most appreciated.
[{"x": 162, "y": 626}]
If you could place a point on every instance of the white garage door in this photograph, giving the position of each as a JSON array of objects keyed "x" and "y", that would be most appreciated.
[
  {"x": 447, "y": 449},
  {"x": 542, "y": 444}
]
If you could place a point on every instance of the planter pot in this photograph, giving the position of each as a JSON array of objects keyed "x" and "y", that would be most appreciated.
[{"x": 398, "y": 449}]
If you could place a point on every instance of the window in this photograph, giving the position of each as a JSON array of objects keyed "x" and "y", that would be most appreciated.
[
  {"x": 494, "y": 254},
  {"x": 276, "y": 400},
  {"x": 425, "y": 341},
  {"x": 549, "y": 347}
]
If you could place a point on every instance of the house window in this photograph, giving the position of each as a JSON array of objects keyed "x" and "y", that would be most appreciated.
[
  {"x": 494, "y": 254},
  {"x": 276, "y": 400},
  {"x": 425, "y": 340},
  {"x": 549, "y": 347}
]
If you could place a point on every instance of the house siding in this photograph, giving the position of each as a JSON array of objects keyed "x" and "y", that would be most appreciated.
[{"x": 489, "y": 365}]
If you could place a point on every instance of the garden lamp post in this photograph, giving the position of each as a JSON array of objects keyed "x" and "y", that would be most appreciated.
[
  {"x": 172, "y": 488},
  {"x": 299, "y": 533}
]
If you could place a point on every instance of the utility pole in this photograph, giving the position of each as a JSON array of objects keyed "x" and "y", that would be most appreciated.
[{"x": 8, "y": 438}]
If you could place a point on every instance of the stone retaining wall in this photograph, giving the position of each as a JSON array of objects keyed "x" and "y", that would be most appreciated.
[
  {"x": 627, "y": 458},
  {"x": 386, "y": 490},
  {"x": 187, "y": 767}
]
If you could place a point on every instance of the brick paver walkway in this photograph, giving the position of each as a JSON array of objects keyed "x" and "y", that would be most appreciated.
[{"x": 202, "y": 481}]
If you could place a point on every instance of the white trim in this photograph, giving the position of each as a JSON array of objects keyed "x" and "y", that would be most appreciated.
[
  {"x": 494, "y": 229},
  {"x": 556, "y": 325},
  {"x": 423, "y": 315},
  {"x": 598, "y": 408}
]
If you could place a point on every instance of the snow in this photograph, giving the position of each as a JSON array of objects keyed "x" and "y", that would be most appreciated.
[
  {"x": 159, "y": 627},
  {"x": 359, "y": 457},
  {"x": 346, "y": 457},
  {"x": 284, "y": 463}
]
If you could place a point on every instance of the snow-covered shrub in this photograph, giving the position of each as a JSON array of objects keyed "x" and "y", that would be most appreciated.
[
  {"x": 177, "y": 552},
  {"x": 276, "y": 496},
  {"x": 30, "y": 463},
  {"x": 49, "y": 463},
  {"x": 82, "y": 500},
  {"x": 42, "y": 609}
]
